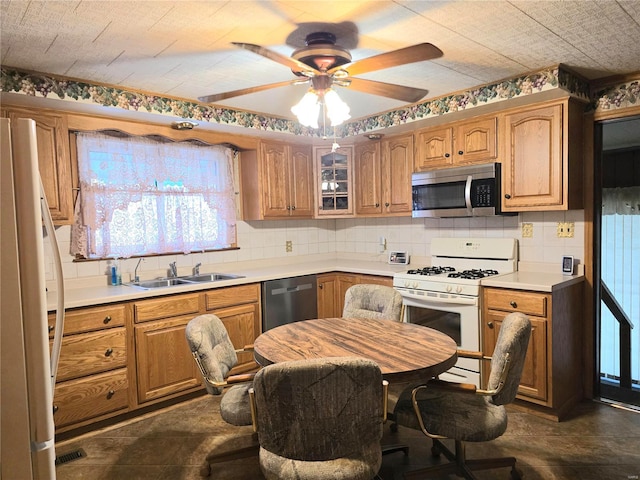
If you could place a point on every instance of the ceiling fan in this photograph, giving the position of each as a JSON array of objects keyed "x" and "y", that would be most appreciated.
[{"x": 324, "y": 64}]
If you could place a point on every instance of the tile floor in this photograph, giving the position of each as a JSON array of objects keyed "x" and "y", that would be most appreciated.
[{"x": 597, "y": 442}]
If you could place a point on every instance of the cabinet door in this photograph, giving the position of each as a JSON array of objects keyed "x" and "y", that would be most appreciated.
[
  {"x": 533, "y": 162},
  {"x": 533, "y": 382},
  {"x": 164, "y": 363},
  {"x": 397, "y": 166},
  {"x": 334, "y": 182},
  {"x": 368, "y": 179},
  {"x": 300, "y": 185},
  {"x": 476, "y": 142},
  {"x": 243, "y": 325},
  {"x": 343, "y": 282},
  {"x": 434, "y": 149},
  {"x": 275, "y": 180},
  {"x": 327, "y": 296},
  {"x": 54, "y": 161}
]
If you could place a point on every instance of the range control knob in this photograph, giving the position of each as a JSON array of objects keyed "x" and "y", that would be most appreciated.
[{"x": 459, "y": 289}]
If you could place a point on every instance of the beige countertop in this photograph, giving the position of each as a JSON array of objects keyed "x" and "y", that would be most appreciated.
[
  {"x": 532, "y": 280},
  {"x": 101, "y": 294}
]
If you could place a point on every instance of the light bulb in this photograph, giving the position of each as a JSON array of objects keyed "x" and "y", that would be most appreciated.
[
  {"x": 307, "y": 110},
  {"x": 337, "y": 110}
]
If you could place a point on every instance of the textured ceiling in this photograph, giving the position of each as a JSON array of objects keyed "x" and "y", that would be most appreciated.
[{"x": 182, "y": 48}]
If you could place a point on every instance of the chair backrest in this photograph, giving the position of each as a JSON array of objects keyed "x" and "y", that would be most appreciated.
[
  {"x": 513, "y": 340},
  {"x": 320, "y": 409},
  {"x": 372, "y": 301},
  {"x": 209, "y": 342}
]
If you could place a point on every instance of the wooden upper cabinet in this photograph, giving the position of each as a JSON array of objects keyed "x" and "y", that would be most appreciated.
[
  {"x": 397, "y": 166},
  {"x": 334, "y": 181},
  {"x": 300, "y": 181},
  {"x": 383, "y": 176},
  {"x": 367, "y": 175},
  {"x": 541, "y": 163},
  {"x": 277, "y": 182},
  {"x": 54, "y": 160},
  {"x": 461, "y": 143}
]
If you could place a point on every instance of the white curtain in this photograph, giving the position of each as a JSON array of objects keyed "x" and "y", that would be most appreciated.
[
  {"x": 142, "y": 196},
  {"x": 621, "y": 201}
]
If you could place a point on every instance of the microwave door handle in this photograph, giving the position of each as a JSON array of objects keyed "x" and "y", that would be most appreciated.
[{"x": 467, "y": 192}]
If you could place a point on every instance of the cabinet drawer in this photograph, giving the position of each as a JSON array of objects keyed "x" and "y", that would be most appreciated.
[
  {"x": 226, "y": 297},
  {"x": 166, "y": 307},
  {"x": 90, "y": 319},
  {"x": 85, "y": 398},
  {"x": 90, "y": 353},
  {"x": 514, "y": 301}
]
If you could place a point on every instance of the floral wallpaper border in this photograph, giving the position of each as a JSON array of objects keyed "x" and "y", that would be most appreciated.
[
  {"x": 617, "y": 96},
  {"x": 44, "y": 85}
]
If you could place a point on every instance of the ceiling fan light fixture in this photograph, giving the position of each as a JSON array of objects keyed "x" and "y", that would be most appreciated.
[
  {"x": 337, "y": 109},
  {"x": 307, "y": 109}
]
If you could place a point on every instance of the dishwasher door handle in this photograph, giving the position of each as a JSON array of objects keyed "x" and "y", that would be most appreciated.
[{"x": 297, "y": 288}]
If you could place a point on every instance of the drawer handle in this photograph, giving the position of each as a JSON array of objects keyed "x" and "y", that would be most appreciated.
[
  {"x": 513, "y": 304},
  {"x": 51, "y": 328},
  {"x": 108, "y": 352},
  {"x": 110, "y": 394},
  {"x": 107, "y": 319},
  {"x": 55, "y": 408},
  {"x": 490, "y": 324}
]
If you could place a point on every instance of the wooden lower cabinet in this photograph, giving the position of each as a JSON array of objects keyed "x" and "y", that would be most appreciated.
[
  {"x": 332, "y": 288},
  {"x": 164, "y": 364},
  {"x": 551, "y": 381},
  {"x": 92, "y": 379},
  {"x": 119, "y": 358}
]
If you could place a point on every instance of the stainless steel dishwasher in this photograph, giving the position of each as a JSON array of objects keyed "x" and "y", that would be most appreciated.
[{"x": 289, "y": 300}]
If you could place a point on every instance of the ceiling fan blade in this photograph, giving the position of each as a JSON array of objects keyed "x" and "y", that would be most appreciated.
[
  {"x": 243, "y": 91},
  {"x": 389, "y": 90},
  {"x": 402, "y": 56},
  {"x": 292, "y": 63}
]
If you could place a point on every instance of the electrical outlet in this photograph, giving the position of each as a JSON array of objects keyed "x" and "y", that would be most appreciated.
[
  {"x": 288, "y": 246},
  {"x": 527, "y": 230},
  {"x": 565, "y": 229}
]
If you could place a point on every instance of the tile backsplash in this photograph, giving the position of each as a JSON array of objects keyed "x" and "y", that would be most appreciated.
[{"x": 359, "y": 237}]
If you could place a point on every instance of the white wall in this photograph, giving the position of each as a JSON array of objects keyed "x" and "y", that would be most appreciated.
[{"x": 360, "y": 237}]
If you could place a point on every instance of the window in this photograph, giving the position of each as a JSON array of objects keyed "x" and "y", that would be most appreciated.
[{"x": 140, "y": 196}]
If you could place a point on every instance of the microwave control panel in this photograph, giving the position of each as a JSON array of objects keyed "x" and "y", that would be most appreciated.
[{"x": 483, "y": 193}]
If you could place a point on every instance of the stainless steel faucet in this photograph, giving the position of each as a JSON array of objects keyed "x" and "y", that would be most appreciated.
[
  {"x": 196, "y": 269},
  {"x": 174, "y": 269},
  {"x": 136, "y": 278}
]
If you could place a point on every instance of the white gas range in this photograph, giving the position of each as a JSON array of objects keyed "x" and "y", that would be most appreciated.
[{"x": 446, "y": 295}]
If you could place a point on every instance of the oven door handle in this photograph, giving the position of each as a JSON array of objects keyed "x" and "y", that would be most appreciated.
[
  {"x": 422, "y": 299},
  {"x": 467, "y": 192}
]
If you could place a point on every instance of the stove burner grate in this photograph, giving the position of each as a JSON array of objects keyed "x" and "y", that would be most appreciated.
[
  {"x": 473, "y": 274},
  {"x": 428, "y": 271}
]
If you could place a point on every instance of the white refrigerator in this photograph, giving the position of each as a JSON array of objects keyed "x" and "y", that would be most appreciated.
[{"x": 27, "y": 370}]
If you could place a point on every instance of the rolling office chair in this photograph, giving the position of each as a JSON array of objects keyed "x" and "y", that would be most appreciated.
[
  {"x": 373, "y": 301},
  {"x": 320, "y": 419},
  {"x": 215, "y": 356},
  {"x": 467, "y": 414}
]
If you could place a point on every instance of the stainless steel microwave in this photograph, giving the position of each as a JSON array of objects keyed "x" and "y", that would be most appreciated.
[{"x": 472, "y": 191}]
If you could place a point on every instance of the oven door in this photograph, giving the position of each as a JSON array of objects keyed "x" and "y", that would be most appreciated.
[{"x": 456, "y": 316}]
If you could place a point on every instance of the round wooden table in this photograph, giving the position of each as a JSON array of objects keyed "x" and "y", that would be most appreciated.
[{"x": 404, "y": 351}]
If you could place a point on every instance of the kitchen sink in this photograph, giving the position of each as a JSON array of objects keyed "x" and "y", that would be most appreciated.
[
  {"x": 210, "y": 277},
  {"x": 184, "y": 280}
]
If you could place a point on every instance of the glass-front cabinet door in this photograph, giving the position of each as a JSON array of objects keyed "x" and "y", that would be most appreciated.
[{"x": 334, "y": 181}]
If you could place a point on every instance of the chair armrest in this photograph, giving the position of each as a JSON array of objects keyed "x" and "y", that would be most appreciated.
[
  {"x": 452, "y": 386},
  {"x": 240, "y": 378},
  {"x": 385, "y": 400},
  {"x": 246, "y": 348},
  {"x": 472, "y": 354}
]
